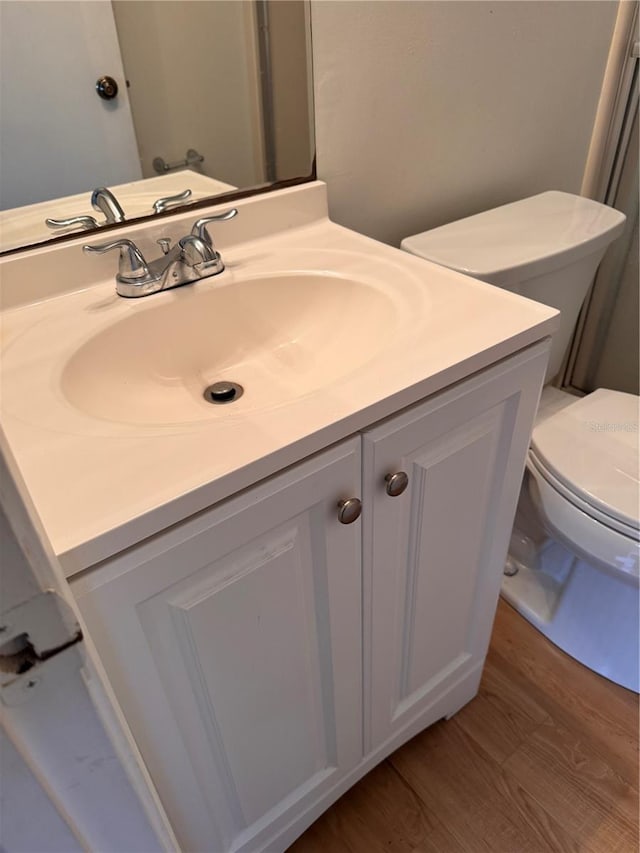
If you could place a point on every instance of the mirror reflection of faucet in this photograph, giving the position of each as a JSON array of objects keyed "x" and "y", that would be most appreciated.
[
  {"x": 105, "y": 202},
  {"x": 192, "y": 258}
]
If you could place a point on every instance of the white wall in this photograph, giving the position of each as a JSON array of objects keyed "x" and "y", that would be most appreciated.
[{"x": 429, "y": 111}]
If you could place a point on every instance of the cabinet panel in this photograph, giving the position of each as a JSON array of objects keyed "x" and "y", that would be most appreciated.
[
  {"x": 237, "y": 657},
  {"x": 436, "y": 551},
  {"x": 442, "y": 570}
]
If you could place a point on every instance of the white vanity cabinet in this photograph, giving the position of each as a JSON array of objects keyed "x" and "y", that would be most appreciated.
[
  {"x": 433, "y": 554},
  {"x": 234, "y": 645},
  {"x": 234, "y": 640}
]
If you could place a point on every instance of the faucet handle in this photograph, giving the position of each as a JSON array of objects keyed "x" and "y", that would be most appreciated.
[
  {"x": 132, "y": 265},
  {"x": 196, "y": 251},
  {"x": 200, "y": 256},
  {"x": 104, "y": 200},
  {"x": 199, "y": 228},
  {"x": 85, "y": 222},
  {"x": 168, "y": 201}
]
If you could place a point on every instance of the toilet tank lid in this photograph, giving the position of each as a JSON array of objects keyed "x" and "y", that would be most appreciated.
[
  {"x": 591, "y": 446},
  {"x": 523, "y": 239}
]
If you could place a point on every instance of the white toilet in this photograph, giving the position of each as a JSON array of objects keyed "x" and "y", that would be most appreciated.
[{"x": 573, "y": 565}]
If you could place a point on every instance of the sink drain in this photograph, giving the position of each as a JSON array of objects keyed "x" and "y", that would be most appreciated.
[{"x": 223, "y": 392}]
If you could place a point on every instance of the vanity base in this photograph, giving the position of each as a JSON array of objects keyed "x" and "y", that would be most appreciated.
[
  {"x": 267, "y": 653},
  {"x": 444, "y": 707}
]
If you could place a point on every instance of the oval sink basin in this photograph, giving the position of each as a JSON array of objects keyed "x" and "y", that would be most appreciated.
[{"x": 281, "y": 337}]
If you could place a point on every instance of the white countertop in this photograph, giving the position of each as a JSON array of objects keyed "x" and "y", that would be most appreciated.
[{"x": 102, "y": 485}]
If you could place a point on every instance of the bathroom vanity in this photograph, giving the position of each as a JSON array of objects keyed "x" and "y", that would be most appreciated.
[{"x": 285, "y": 588}]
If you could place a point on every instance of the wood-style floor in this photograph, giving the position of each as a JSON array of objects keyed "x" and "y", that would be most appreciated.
[{"x": 545, "y": 758}]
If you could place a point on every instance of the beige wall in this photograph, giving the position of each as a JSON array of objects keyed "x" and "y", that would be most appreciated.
[
  {"x": 429, "y": 111},
  {"x": 618, "y": 365},
  {"x": 608, "y": 347}
]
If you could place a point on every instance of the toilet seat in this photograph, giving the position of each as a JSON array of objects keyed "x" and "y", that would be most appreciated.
[
  {"x": 536, "y": 466},
  {"x": 591, "y": 449},
  {"x": 615, "y": 550},
  {"x": 584, "y": 479}
]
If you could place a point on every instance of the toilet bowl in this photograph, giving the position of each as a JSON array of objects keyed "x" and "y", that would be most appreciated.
[
  {"x": 573, "y": 567},
  {"x": 584, "y": 462},
  {"x": 573, "y": 563}
]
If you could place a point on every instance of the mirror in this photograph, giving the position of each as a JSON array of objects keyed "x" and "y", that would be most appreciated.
[{"x": 149, "y": 98}]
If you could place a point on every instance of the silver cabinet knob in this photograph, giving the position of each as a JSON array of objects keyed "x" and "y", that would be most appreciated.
[
  {"x": 349, "y": 510},
  {"x": 396, "y": 483}
]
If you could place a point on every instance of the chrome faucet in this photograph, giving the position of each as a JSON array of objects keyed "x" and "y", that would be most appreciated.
[
  {"x": 104, "y": 201},
  {"x": 192, "y": 258}
]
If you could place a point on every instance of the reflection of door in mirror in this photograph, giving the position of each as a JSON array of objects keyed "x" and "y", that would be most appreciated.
[
  {"x": 222, "y": 78},
  {"x": 194, "y": 83},
  {"x": 58, "y": 137}
]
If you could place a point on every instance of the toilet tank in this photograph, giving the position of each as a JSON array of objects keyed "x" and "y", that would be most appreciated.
[{"x": 547, "y": 248}]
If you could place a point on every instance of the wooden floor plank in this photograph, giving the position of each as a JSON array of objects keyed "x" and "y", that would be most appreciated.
[
  {"x": 502, "y": 716},
  {"x": 432, "y": 765},
  {"x": 603, "y": 713},
  {"x": 473, "y": 796},
  {"x": 553, "y": 834},
  {"x": 380, "y": 813},
  {"x": 544, "y": 760},
  {"x": 595, "y": 805},
  {"x": 440, "y": 840}
]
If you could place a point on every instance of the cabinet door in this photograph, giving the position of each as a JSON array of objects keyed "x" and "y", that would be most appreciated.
[
  {"x": 434, "y": 554},
  {"x": 233, "y": 643}
]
